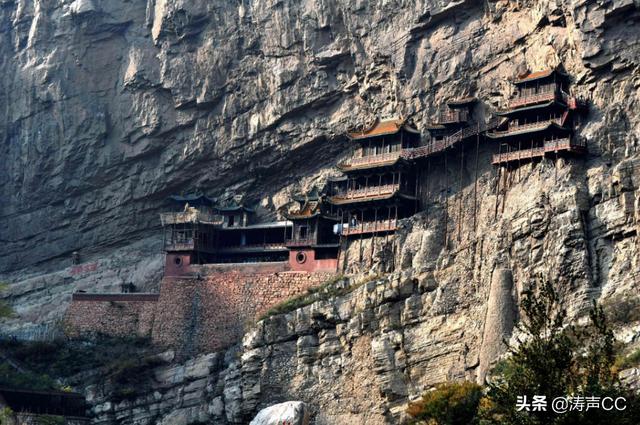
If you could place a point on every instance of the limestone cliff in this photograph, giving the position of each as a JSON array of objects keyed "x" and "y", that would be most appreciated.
[{"x": 108, "y": 107}]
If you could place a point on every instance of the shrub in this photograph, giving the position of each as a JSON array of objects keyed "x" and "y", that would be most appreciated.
[
  {"x": 67, "y": 358},
  {"x": 12, "y": 378},
  {"x": 323, "y": 291},
  {"x": 6, "y": 416},
  {"x": 49, "y": 420},
  {"x": 5, "y": 308},
  {"x": 556, "y": 360},
  {"x": 630, "y": 360},
  {"x": 132, "y": 375},
  {"x": 449, "y": 404}
]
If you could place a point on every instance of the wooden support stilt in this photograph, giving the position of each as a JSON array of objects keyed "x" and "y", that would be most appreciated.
[
  {"x": 460, "y": 221},
  {"x": 428, "y": 181},
  {"x": 373, "y": 239},
  {"x": 505, "y": 187},
  {"x": 446, "y": 202},
  {"x": 475, "y": 180},
  {"x": 361, "y": 233},
  {"x": 340, "y": 231},
  {"x": 497, "y": 191},
  {"x": 416, "y": 191},
  {"x": 555, "y": 166}
]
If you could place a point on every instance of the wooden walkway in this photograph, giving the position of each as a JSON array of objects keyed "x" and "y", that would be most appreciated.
[
  {"x": 558, "y": 145},
  {"x": 371, "y": 227},
  {"x": 439, "y": 146}
]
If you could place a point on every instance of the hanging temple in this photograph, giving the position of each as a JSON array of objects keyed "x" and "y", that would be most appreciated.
[
  {"x": 224, "y": 267},
  {"x": 379, "y": 183}
]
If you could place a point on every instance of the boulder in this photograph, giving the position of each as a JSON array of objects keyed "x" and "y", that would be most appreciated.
[{"x": 290, "y": 413}]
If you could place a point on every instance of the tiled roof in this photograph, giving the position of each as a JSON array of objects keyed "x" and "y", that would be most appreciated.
[
  {"x": 381, "y": 128},
  {"x": 462, "y": 101},
  {"x": 532, "y": 76}
]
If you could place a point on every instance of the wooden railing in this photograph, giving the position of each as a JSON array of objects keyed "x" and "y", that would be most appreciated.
[
  {"x": 180, "y": 246},
  {"x": 190, "y": 217},
  {"x": 371, "y": 227},
  {"x": 440, "y": 145},
  {"x": 514, "y": 127},
  {"x": 265, "y": 246},
  {"x": 300, "y": 242},
  {"x": 367, "y": 192},
  {"x": 564, "y": 144},
  {"x": 545, "y": 96},
  {"x": 370, "y": 160}
]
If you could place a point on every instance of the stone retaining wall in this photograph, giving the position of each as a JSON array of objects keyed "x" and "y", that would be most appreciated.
[
  {"x": 105, "y": 315},
  {"x": 207, "y": 314},
  {"x": 192, "y": 314}
]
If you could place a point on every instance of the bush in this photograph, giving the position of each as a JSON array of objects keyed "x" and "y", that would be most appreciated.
[
  {"x": 5, "y": 309},
  {"x": 12, "y": 378},
  {"x": 323, "y": 291},
  {"x": 131, "y": 376},
  {"x": 449, "y": 404},
  {"x": 556, "y": 360},
  {"x": 630, "y": 360},
  {"x": 49, "y": 420}
]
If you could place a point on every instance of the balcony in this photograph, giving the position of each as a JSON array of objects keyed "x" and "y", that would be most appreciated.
[
  {"x": 263, "y": 247},
  {"x": 438, "y": 146},
  {"x": 188, "y": 245},
  {"x": 192, "y": 216},
  {"x": 366, "y": 193},
  {"x": 371, "y": 227},
  {"x": 370, "y": 161},
  {"x": 516, "y": 128},
  {"x": 531, "y": 99},
  {"x": 300, "y": 242},
  {"x": 452, "y": 117},
  {"x": 557, "y": 145}
]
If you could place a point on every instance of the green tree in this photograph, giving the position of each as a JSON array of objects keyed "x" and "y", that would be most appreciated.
[{"x": 557, "y": 360}]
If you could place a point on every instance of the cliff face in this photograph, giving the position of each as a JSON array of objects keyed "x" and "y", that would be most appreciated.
[{"x": 108, "y": 107}]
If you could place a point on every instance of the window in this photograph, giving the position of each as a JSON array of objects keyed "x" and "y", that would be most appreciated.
[
  {"x": 301, "y": 257},
  {"x": 231, "y": 220},
  {"x": 303, "y": 232}
]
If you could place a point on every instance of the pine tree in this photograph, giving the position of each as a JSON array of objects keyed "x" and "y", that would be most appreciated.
[{"x": 557, "y": 360}]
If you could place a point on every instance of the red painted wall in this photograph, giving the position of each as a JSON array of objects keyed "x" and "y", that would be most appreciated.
[
  {"x": 311, "y": 264},
  {"x": 177, "y": 264}
]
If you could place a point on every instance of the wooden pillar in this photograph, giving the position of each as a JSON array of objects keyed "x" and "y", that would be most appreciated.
[
  {"x": 460, "y": 221},
  {"x": 475, "y": 180},
  {"x": 375, "y": 228},
  {"x": 446, "y": 201},
  {"x": 361, "y": 234}
]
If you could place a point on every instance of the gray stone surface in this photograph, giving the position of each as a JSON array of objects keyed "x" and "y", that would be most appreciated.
[{"x": 108, "y": 107}]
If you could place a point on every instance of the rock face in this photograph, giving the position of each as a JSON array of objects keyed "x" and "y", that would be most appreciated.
[{"x": 108, "y": 107}]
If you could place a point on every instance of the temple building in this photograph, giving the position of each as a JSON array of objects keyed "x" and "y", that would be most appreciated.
[
  {"x": 379, "y": 185},
  {"x": 453, "y": 125},
  {"x": 539, "y": 120},
  {"x": 188, "y": 231},
  {"x": 314, "y": 241},
  {"x": 200, "y": 232}
]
